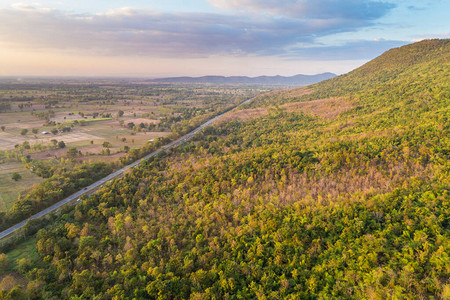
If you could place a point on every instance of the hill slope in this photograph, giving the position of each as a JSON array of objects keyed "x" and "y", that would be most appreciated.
[
  {"x": 339, "y": 190},
  {"x": 268, "y": 80}
]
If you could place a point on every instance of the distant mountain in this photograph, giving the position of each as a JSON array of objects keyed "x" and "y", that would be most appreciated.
[{"x": 275, "y": 80}]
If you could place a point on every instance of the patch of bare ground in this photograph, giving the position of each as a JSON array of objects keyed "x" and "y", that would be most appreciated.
[
  {"x": 98, "y": 158},
  {"x": 26, "y": 124},
  {"x": 64, "y": 117},
  {"x": 327, "y": 109},
  {"x": 35, "y": 106},
  {"x": 142, "y": 120},
  {"x": 49, "y": 154},
  {"x": 111, "y": 123},
  {"x": 290, "y": 93},
  {"x": 244, "y": 115},
  {"x": 7, "y": 141},
  {"x": 297, "y": 92}
]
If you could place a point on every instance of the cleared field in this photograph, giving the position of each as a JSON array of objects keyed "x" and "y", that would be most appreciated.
[
  {"x": 145, "y": 121},
  {"x": 26, "y": 249},
  {"x": 10, "y": 189},
  {"x": 7, "y": 140},
  {"x": 14, "y": 117},
  {"x": 25, "y": 124}
]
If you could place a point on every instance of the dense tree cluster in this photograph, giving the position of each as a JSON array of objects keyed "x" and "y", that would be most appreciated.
[{"x": 62, "y": 180}]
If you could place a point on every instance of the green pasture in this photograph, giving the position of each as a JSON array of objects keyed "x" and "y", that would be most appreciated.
[{"x": 10, "y": 189}]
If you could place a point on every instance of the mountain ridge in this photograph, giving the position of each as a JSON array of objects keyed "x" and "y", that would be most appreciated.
[{"x": 298, "y": 79}]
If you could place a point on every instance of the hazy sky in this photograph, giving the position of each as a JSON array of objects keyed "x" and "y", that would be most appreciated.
[{"x": 155, "y": 38}]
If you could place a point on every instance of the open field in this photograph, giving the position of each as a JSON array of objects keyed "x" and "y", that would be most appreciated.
[
  {"x": 10, "y": 189},
  {"x": 26, "y": 249},
  {"x": 8, "y": 141}
]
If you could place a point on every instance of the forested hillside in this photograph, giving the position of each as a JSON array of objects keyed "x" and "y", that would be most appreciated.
[{"x": 337, "y": 190}]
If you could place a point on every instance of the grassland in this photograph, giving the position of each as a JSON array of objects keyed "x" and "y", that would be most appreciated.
[
  {"x": 25, "y": 252},
  {"x": 9, "y": 188},
  {"x": 26, "y": 249}
]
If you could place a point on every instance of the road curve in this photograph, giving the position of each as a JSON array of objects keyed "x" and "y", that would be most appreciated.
[{"x": 118, "y": 173}]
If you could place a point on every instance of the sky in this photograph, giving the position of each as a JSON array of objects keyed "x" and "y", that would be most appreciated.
[{"x": 159, "y": 38}]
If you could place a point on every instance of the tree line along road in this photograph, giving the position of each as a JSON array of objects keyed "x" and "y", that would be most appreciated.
[{"x": 91, "y": 188}]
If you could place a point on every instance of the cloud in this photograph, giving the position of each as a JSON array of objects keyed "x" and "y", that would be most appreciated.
[
  {"x": 127, "y": 31},
  {"x": 27, "y": 7},
  {"x": 22, "y": 6},
  {"x": 311, "y": 9},
  {"x": 122, "y": 11}
]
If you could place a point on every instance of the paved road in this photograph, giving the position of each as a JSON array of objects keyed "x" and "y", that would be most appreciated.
[{"x": 75, "y": 197}]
